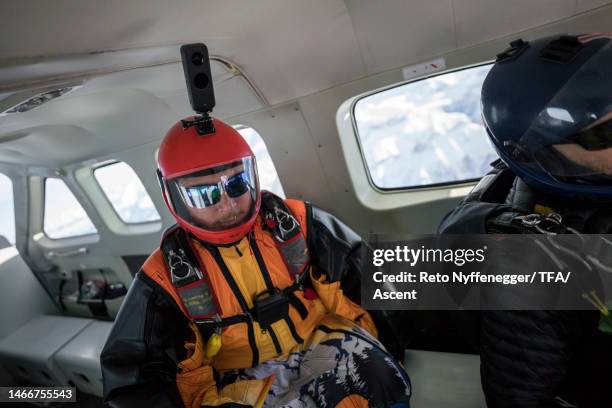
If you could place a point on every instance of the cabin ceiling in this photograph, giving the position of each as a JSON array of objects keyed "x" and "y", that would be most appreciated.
[{"x": 125, "y": 53}]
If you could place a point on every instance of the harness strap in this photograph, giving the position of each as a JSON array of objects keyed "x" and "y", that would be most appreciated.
[
  {"x": 188, "y": 277},
  {"x": 252, "y": 312},
  {"x": 494, "y": 186},
  {"x": 191, "y": 283},
  {"x": 288, "y": 235},
  {"x": 278, "y": 218}
]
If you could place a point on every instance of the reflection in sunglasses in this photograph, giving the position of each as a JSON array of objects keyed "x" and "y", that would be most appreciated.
[{"x": 206, "y": 195}]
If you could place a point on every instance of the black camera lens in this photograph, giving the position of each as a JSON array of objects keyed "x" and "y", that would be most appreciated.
[
  {"x": 197, "y": 58},
  {"x": 201, "y": 81}
]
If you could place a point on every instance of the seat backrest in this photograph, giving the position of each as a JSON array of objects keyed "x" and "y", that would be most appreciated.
[{"x": 22, "y": 296}]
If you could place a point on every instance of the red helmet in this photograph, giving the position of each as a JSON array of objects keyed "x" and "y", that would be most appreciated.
[{"x": 209, "y": 182}]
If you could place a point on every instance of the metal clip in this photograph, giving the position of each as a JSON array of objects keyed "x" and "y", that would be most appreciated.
[
  {"x": 543, "y": 223},
  {"x": 530, "y": 220},
  {"x": 217, "y": 320},
  {"x": 286, "y": 222},
  {"x": 178, "y": 262}
]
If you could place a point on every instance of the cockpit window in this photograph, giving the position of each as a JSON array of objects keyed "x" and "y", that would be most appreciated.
[
  {"x": 64, "y": 217},
  {"x": 7, "y": 209},
  {"x": 126, "y": 193},
  {"x": 425, "y": 133}
]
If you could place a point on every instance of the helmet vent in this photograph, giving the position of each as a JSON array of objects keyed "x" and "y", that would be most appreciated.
[
  {"x": 517, "y": 47},
  {"x": 562, "y": 50}
]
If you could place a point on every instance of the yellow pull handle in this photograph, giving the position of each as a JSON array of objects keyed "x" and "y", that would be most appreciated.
[{"x": 213, "y": 345}]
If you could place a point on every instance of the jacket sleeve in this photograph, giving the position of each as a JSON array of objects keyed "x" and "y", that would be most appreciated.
[
  {"x": 139, "y": 359},
  {"x": 337, "y": 254}
]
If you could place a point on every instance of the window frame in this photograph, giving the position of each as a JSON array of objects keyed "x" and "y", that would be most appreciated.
[
  {"x": 110, "y": 203},
  {"x": 426, "y": 187},
  {"x": 14, "y": 224}
]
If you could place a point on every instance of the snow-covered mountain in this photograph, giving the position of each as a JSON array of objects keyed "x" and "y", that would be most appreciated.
[{"x": 426, "y": 132}]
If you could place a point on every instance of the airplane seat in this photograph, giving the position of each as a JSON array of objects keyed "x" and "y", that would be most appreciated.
[
  {"x": 23, "y": 297},
  {"x": 38, "y": 346},
  {"x": 57, "y": 351},
  {"x": 79, "y": 359},
  {"x": 28, "y": 352}
]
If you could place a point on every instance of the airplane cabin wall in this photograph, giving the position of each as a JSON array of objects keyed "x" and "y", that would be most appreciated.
[{"x": 304, "y": 144}]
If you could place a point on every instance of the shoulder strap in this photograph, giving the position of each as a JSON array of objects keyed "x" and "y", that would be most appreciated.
[
  {"x": 494, "y": 186},
  {"x": 287, "y": 232},
  {"x": 180, "y": 259},
  {"x": 485, "y": 200},
  {"x": 299, "y": 210},
  {"x": 187, "y": 275},
  {"x": 278, "y": 217}
]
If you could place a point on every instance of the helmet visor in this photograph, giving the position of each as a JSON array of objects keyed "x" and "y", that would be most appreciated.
[
  {"x": 216, "y": 198},
  {"x": 571, "y": 138}
]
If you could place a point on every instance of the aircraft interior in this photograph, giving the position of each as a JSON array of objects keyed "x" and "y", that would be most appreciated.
[{"x": 370, "y": 110}]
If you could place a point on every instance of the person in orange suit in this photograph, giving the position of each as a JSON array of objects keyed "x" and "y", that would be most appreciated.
[{"x": 243, "y": 303}]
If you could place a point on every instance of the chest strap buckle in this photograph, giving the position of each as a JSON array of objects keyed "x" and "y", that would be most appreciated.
[{"x": 270, "y": 306}]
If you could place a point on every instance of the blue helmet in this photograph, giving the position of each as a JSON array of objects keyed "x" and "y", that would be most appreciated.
[{"x": 547, "y": 107}]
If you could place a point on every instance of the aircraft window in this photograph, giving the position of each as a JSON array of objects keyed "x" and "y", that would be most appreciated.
[
  {"x": 7, "y": 209},
  {"x": 126, "y": 193},
  {"x": 424, "y": 133},
  {"x": 268, "y": 177},
  {"x": 64, "y": 217}
]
